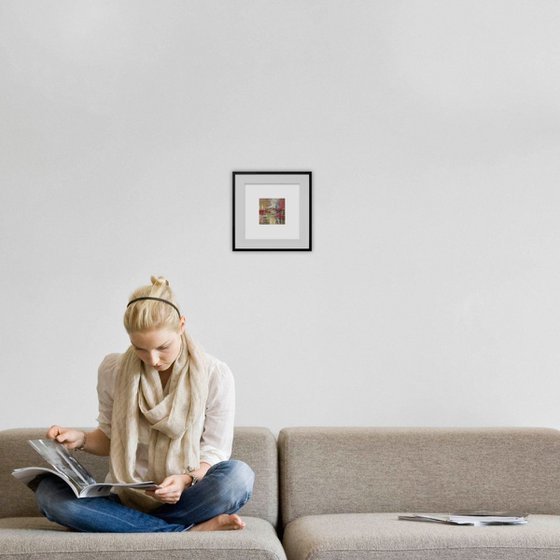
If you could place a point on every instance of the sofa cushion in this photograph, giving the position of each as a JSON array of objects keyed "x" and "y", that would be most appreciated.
[
  {"x": 361, "y": 470},
  {"x": 382, "y": 536},
  {"x": 37, "y": 539}
]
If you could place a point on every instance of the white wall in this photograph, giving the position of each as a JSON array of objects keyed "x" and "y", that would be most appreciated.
[{"x": 433, "y": 132}]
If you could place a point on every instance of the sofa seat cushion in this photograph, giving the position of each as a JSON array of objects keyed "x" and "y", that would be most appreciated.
[
  {"x": 35, "y": 538},
  {"x": 382, "y": 536}
]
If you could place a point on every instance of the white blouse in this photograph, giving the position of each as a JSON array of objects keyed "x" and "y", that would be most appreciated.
[{"x": 217, "y": 435}]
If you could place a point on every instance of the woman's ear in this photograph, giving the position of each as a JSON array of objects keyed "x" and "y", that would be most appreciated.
[{"x": 182, "y": 322}]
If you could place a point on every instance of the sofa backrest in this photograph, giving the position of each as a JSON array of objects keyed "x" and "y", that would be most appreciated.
[
  {"x": 360, "y": 470},
  {"x": 256, "y": 446}
]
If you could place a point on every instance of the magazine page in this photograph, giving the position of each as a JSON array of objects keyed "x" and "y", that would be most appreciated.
[
  {"x": 28, "y": 474},
  {"x": 487, "y": 518},
  {"x": 104, "y": 488},
  {"x": 63, "y": 462},
  {"x": 69, "y": 469},
  {"x": 476, "y": 519},
  {"x": 427, "y": 518}
]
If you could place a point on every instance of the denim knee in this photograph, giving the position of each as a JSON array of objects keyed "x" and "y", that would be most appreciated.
[
  {"x": 243, "y": 476},
  {"x": 241, "y": 479},
  {"x": 53, "y": 496}
]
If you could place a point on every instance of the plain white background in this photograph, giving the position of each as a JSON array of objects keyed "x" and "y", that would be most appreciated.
[{"x": 432, "y": 129}]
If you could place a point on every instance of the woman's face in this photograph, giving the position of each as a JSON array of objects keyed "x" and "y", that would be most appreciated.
[{"x": 158, "y": 348}]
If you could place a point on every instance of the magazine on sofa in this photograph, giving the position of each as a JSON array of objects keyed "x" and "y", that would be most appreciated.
[
  {"x": 68, "y": 468},
  {"x": 476, "y": 518}
]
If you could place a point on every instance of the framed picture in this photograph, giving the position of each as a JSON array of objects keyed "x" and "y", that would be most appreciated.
[{"x": 272, "y": 210}]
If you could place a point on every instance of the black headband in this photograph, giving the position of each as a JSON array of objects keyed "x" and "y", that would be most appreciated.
[{"x": 155, "y": 299}]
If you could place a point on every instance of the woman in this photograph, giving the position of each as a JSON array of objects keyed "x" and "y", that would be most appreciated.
[{"x": 166, "y": 414}]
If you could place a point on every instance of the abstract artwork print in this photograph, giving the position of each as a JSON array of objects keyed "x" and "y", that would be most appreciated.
[{"x": 272, "y": 211}]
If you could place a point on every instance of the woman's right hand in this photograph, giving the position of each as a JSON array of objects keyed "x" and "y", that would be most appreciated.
[{"x": 70, "y": 438}]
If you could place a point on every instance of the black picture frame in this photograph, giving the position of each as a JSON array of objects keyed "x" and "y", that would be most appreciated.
[{"x": 272, "y": 210}]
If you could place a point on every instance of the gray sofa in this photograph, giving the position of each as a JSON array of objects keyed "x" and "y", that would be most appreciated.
[
  {"x": 25, "y": 535},
  {"x": 342, "y": 489}
]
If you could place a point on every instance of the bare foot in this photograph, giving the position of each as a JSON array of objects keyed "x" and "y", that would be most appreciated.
[{"x": 222, "y": 522}]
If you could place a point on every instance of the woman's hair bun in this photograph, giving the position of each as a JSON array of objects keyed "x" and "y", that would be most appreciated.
[{"x": 159, "y": 281}]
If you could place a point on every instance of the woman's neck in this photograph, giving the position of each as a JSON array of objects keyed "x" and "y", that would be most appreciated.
[{"x": 164, "y": 376}]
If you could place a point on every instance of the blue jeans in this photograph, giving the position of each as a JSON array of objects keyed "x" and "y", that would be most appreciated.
[{"x": 225, "y": 488}]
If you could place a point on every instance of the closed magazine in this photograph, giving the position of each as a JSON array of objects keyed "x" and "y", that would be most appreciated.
[
  {"x": 477, "y": 518},
  {"x": 65, "y": 465}
]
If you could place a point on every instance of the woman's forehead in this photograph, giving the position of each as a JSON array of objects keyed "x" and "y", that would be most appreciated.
[{"x": 153, "y": 338}]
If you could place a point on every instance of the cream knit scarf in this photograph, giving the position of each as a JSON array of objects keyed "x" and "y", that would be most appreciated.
[{"x": 173, "y": 418}]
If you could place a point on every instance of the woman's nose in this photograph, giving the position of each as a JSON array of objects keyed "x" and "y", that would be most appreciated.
[{"x": 153, "y": 357}]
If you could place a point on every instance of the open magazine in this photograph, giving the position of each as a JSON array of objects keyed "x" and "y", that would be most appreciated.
[
  {"x": 477, "y": 518},
  {"x": 68, "y": 468}
]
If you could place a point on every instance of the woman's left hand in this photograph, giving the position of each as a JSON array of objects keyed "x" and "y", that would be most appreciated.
[{"x": 170, "y": 490}]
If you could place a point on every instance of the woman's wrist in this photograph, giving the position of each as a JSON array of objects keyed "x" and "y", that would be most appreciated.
[
  {"x": 82, "y": 447},
  {"x": 185, "y": 480},
  {"x": 190, "y": 479}
]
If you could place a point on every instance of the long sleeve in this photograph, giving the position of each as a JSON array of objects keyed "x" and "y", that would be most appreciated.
[
  {"x": 217, "y": 435},
  {"x": 105, "y": 389}
]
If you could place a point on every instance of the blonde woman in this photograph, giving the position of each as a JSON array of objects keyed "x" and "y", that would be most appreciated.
[{"x": 166, "y": 414}]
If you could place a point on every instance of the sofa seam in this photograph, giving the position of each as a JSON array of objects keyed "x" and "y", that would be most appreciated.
[
  {"x": 113, "y": 551},
  {"x": 318, "y": 550}
]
